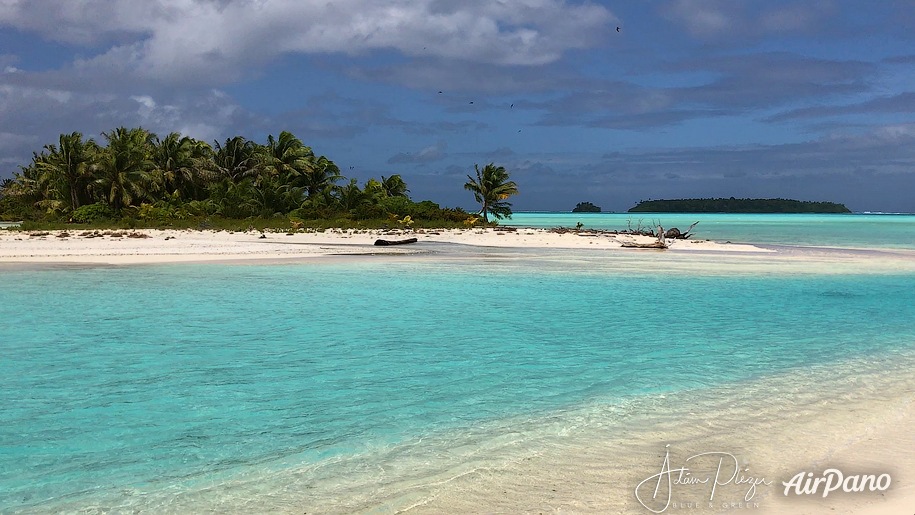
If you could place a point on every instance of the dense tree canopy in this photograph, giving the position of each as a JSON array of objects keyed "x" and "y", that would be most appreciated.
[
  {"x": 586, "y": 207},
  {"x": 737, "y": 205},
  {"x": 134, "y": 174}
]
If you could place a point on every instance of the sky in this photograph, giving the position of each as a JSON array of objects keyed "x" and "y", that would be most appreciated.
[{"x": 610, "y": 102}]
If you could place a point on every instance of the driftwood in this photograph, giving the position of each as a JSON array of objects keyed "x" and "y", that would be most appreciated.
[
  {"x": 675, "y": 234},
  {"x": 381, "y": 243},
  {"x": 657, "y": 244},
  {"x": 652, "y": 245}
]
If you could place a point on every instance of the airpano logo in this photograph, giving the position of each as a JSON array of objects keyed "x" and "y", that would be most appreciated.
[
  {"x": 718, "y": 480},
  {"x": 832, "y": 480}
]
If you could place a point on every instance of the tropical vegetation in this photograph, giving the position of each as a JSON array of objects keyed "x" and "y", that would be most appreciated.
[
  {"x": 585, "y": 207},
  {"x": 490, "y": 189},
  {"x": 737, "y": 205},
  {"x": 133, "y": 176}
]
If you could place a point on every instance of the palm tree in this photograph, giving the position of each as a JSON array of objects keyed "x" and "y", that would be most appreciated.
[
  {"x": 123, "y": 167},
  {"x": 394, "y": 186},
  {"x": 287, "y": 157},
  {"x": 491, "y": 188},
  {"x": 235, "y": 160},
  {"x": 24, "y": 186},
  {"x": 175, "y": 159},
  {"x": 351, "y": 197},
  {"x": 64, "y": 171},
  {"x": 374, "y": 190},
  {"x": 323, "y": 174}
]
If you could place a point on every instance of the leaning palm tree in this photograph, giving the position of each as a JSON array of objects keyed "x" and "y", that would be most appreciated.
[
  {"x": 491, "y": 188},
  {"x": 123, "y": 167}
]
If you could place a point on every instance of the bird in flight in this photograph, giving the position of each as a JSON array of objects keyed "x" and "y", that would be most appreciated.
[
  {"x": 511, "y": 106},
  {"x": 471, "y": 101},
  {"x": 617, "y": 29}
]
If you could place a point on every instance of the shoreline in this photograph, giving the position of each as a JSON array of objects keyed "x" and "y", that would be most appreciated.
[
  {"x": 158, "y": 245},
  {"x": 589, "y": 458},
  {"x": 855, "y": 429},
  {"x": 153, "y": 246},
  {"x": 596, "y": 466}
]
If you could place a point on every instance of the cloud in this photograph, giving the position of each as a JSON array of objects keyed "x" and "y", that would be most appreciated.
[
  {"x": 427, "y": 155},
  {"x": 771, "y": 79},
  {"x": 13, "y": 144},
  {"x": 456, "y": 78},
  {"x": 901, "y": 103},
  {"x": 209, "y": 42},
  {"x": 40, "y": 115},
  {"x": 891, "y": 145},
  {"x": 87, "y": 22},
  {"x": 733, "y": 85},
  {"x": 724, "y": 20}
]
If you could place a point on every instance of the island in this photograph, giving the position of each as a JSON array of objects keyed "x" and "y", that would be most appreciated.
[
  {"x": 586, "y": 207},
  {"x": 737, "y": 205}
]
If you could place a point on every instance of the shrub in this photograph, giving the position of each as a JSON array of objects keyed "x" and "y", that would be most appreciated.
[{"x": 92, "y": 213}]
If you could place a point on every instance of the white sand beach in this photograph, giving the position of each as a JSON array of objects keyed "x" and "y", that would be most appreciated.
[
  {"x": 169, "y": 246},
  {"x": 147, "y": 246}
]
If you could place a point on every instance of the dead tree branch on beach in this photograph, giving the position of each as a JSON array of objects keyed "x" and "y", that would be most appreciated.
[{"x": 675, "y": 234}]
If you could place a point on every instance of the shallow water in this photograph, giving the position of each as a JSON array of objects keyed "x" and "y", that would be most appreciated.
[
  {"x": 857, "y": 230},
  {"x": 337, "y": 386}
]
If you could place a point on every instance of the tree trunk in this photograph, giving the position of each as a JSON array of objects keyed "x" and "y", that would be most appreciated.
[{"x": 74, "y": 198}]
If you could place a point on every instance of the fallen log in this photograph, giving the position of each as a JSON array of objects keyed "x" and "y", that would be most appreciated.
[
  {"x": 652, "y": 245},
  {"x": 381, "y": 243}
]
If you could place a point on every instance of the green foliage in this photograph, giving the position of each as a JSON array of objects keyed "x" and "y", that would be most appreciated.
[
  {"x": 399, "y": 207},
  {"x": 13, "y": 211},
  {"x": 134, "y": 177},
  {"x": 491, "y": 188},
  {"x": 735, "y": 205},
  {"x": 93, "y": 213},
  {"x": 394, "y": 186},
  {"x": 586, "y": 207}
]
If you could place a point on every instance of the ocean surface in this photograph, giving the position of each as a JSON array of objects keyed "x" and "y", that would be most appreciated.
[
  {"x": 334, "y": 386},
  {"x": 858, "y": 230}
]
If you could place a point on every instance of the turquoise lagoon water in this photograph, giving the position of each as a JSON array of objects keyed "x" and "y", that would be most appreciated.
[
  {"x": 858, "y": 230},
  {"x": 128, "y": 388}
]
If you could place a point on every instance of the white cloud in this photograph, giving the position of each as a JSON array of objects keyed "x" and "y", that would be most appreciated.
[
  {"x": 209, "y": 41},
  {"x": 41, "y": 115},
  {"x": 717, "y": 19},
  {"x": 87, "y": 22}
]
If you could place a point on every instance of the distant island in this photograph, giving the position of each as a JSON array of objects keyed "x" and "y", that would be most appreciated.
[
  {"x": 737, "y": 205},
  {"x": 586, "y": 207}
]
